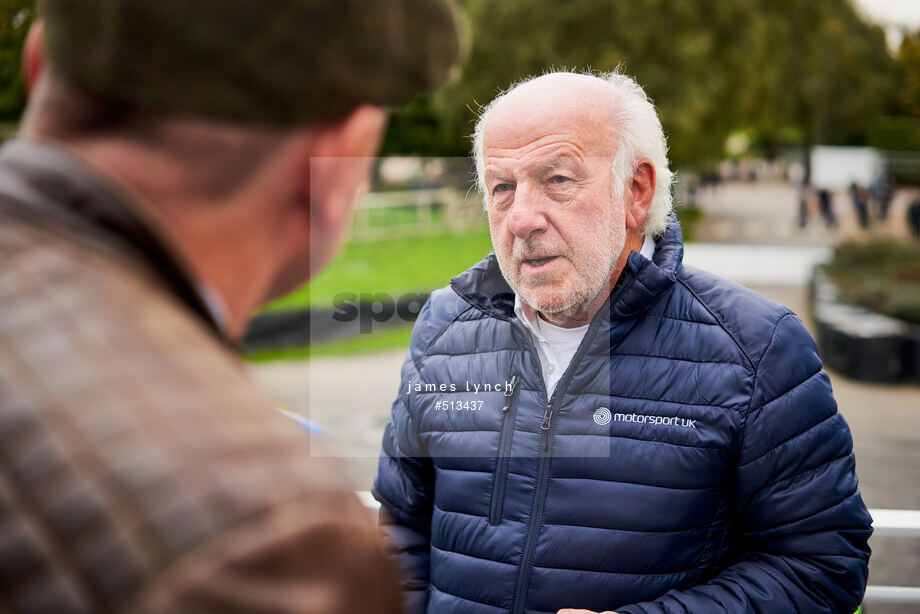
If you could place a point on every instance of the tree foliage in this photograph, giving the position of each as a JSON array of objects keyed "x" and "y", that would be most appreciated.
[
  {"x": 816, "y": 66},
  {"x": 15, "y": 18},
  {"x": 909, "y": 61},
  {"x": 810, "y": 70}
]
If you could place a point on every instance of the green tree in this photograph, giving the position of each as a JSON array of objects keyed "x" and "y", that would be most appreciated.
[
  {"x": 15, "y": 18},
  {"x": 816, "y": 67},
  {"x": 809, "y": 69},
  {"x": 909, "y": 62},
  {"x": 679, "y": 56}
]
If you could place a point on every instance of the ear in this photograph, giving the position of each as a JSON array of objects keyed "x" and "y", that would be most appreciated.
[
  {"x": 33, "y": 55},
  {"x": 338, "y": 167},
  {"x": 642, "y": 191}
]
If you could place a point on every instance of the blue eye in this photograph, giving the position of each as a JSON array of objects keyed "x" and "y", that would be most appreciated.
[
  {"x": 502, "y": 187},
  {"x": 558, "y": 179}
]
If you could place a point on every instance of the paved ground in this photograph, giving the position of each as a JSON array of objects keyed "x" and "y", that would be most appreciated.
[
  {"x": 350, "y": 397},
  {"x": 767, "y": 214}
]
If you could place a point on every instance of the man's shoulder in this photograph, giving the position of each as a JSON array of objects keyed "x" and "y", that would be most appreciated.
[
  {"x": 91, "y": 334},
  {"x": 747, "y": 317},
  {"x": 443, "y": 307},
  {"x": 125, "y": 418},
  {"x": 99, "y": 307}
]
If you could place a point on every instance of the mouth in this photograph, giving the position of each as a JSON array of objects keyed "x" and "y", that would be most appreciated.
[{"x": 536, "y": 263}]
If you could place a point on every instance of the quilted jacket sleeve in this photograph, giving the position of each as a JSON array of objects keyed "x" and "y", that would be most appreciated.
[
  {"x": 800, "y": 523},
  {"x": 405, "y": 488}
]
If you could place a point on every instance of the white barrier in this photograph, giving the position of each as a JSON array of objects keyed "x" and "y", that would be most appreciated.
[
  {"x": 895, "y": 523},
  {"x": 885, "y": 522},
  {"x": 416, "y": 213},
  {"x": 892, "y": 594}
]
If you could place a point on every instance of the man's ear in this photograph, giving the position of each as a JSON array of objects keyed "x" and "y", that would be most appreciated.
[
  {"x": 33, "y": 55},
  {"x": 642, "y": 191},
  {"x": 339, "y": 161}
]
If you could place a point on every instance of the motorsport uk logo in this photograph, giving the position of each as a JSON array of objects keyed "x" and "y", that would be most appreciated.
[{"x": 602, "y": 416}]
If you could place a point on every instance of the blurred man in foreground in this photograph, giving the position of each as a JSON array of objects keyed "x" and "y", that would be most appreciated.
[
  {"x": 584, "y": 422},
  {"x": 180, "y": 163}
]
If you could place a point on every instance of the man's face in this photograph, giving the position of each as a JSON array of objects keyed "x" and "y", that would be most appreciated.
[{"x": 557, "y": 225}]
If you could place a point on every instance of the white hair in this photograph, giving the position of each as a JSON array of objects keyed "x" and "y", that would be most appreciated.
[{"x": 640, "y": 135}]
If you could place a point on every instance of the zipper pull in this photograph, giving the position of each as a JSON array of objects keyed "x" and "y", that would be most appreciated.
[
  {"x": 509, "y": 392},
  {"x": 546, "y": 417}
]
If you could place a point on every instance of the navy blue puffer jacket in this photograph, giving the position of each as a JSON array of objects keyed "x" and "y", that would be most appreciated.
[{"x": 691, "y": 459}]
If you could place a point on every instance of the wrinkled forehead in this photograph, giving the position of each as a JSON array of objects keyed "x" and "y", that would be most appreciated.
[{"x": 574, "y": 108}]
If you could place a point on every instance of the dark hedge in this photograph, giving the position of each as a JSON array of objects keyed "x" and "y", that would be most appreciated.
[{"x": 882, "y": 275}]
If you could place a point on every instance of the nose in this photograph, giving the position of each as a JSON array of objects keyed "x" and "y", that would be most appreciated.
[{"x": 526, "y": 216}]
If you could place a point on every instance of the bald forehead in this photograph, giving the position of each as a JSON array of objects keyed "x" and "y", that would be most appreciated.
[{"x": 554, "y": 104}]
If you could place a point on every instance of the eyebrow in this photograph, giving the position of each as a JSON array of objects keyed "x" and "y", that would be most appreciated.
[
  {"x": 559, "y": 161},
  {"x": 566, "y": 161},
  {"x": 493, "y": 174}
]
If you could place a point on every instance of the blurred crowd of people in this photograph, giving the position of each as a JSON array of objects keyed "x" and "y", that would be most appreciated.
[{"x": 871, "y": 204}]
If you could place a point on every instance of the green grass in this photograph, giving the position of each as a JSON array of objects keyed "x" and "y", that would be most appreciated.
[
  {"x": 380, "y": 341},
  {"x": 396, "y": 267}
]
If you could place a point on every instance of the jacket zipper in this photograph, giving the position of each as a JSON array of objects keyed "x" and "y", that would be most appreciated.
[
  {"x": 504, "y": 450},
  {"x": 519, "y": 599},
  {"x": 547, "y": 427},
  {"x": 544, "y": 426}
]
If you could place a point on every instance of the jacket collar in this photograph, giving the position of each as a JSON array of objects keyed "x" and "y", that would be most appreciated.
[
  {"x": 47, "y": 184},
  {"x": 640, "y": 284}
]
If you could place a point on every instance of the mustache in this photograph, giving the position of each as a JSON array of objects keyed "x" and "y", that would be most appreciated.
[{"x": 529, "y": 248}]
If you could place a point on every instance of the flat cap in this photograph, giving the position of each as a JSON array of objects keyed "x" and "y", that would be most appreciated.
[{"x": 280, "y": 62}]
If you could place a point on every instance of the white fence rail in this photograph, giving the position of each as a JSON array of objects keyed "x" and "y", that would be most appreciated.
[
  {"x": 894, "y": 523},
  {"x": 887, "y": 523},
  {"x": 414, "y": 213},
  {"x": 892, "y": 594}
]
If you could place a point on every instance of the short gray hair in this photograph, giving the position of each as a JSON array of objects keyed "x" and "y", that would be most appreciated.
[{"x": 641, "y": 135}]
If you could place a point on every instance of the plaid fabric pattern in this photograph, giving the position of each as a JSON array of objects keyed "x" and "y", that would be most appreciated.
[{"x": 140, "y": 469}]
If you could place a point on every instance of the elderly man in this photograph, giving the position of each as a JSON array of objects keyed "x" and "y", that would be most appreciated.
[
  {"x": 179, "y": 163},
  {"x": 660, "y": 440}
]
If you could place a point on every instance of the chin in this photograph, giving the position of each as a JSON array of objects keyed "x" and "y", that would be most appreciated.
[
  {"x": 564, "y": 301},
  {"x": 550, "y": 302}
]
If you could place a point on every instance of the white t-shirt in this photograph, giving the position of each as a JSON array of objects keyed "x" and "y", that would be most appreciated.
[{"x": 556, "y": 345}]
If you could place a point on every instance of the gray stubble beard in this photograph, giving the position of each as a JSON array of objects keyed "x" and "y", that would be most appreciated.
[{"x": 577, "y": 301}]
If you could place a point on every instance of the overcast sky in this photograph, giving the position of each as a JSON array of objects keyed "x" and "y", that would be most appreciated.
[
  {"x": 896, "y": 15},
  {"x": 892, "y": 12}
]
